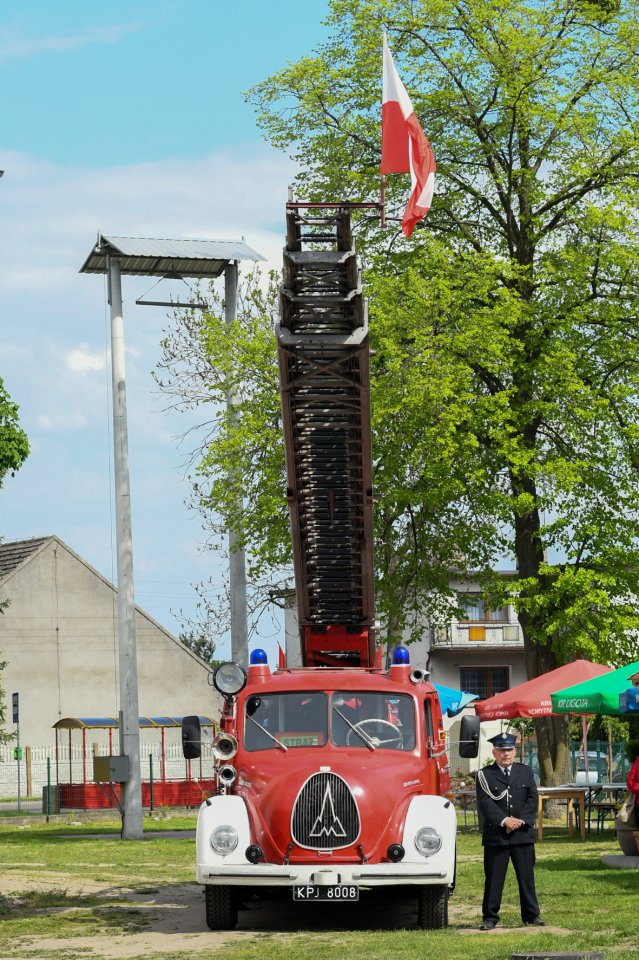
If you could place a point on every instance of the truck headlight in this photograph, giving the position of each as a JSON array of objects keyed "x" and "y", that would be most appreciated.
[
  {"x": 224, "y": 839},
  {"x": 428, "y": 841}
]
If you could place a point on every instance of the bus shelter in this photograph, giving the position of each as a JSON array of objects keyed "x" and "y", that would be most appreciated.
[{"x": 158, "y": 789}]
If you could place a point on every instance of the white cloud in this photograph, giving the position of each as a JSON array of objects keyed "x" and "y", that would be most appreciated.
[
  {"x": 61, "y": 422},
  {"x": 12, "y": 353},
  {"x": 56, "y": 337},
  {"x": 14, "y": 43},
  {"x": 51, "y": 214},
  {"x": 84, "y": 360}
]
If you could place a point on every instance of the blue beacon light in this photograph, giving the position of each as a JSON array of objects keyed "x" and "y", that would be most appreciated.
[
  {"x": 258, "y": 657},
  {"x": 401, "y": 657}
]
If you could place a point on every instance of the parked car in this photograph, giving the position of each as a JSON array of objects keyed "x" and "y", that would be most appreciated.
[{"x": 598, "y": 771}]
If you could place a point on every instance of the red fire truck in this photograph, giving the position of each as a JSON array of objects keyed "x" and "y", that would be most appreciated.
[{"x": 331, "y": 775}]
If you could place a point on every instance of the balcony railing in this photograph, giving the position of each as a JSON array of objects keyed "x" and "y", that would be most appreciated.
[{"x": 483, "y": 633}]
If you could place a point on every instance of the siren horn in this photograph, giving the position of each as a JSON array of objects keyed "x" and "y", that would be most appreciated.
[
  {"x": 226, "y": 775},
  {"x": 224, "y": 746}
]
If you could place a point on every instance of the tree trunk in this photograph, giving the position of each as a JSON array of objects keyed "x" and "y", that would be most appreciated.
[{"x": 552, "y": 732}]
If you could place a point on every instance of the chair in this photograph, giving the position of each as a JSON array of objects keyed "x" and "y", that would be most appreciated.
[{"x": 605, "y": 810}]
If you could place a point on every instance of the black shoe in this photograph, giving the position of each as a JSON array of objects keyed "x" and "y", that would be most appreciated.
[
  {"x": 537, "y": 922},
  {"x": 488, "y": 925}
]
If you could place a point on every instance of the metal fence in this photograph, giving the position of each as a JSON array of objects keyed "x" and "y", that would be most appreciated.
[
  {"x": 600, "y": 753},
  {"x": 24, "y": 780}
]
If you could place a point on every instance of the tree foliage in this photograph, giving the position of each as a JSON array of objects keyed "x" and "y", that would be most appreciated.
[
  {"x": 4, "y": 737},
  {"x": 509, "y": 323},
  {"x": 505, "y": 333},
  {"x": 236, "y": 457},
  {"x": 14, "y": 448}
]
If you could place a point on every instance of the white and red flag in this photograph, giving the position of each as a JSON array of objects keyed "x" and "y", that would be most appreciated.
[{"x": 405, "y": 149}]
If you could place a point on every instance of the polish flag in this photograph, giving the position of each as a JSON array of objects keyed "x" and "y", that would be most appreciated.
[
  {"x": 281, "y": 657},
  {"x": 405, "y": 149}
]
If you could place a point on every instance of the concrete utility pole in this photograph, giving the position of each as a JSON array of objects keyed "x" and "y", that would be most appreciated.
[
  {"x": 128, "y": 667},
  {"x": 237, "y": 555},
  {"x": 162, "y": 258}
]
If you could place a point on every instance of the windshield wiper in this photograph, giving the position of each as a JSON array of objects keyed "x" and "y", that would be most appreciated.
[
  {"x": 270, "y": 735},
  {"x": 369, "y": 743}
]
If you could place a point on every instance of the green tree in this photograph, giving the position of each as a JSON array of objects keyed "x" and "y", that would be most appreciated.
[
  {"x": 201, "y": 643},
  {"x": 505, "y": 332},
  {"x": 202, "y": 359},
  {"x": 4, "y": 736},
  {"x": 506, "y": 329},
  {"x": 14, "y": 448}
]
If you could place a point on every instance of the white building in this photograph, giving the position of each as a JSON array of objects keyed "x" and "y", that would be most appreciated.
[
  {"x": 482, "y": 653},
  {"x": 59, "y": 637}
]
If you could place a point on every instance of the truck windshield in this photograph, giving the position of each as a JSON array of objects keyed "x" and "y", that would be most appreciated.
[
  {"x": 373, "y": 721},
  {"x": 285, "y": 721}
]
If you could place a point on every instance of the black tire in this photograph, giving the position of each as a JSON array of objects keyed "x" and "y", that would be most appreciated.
[
  {"x": 221, "y": 907},
  {"x": 432, "y": 908}
]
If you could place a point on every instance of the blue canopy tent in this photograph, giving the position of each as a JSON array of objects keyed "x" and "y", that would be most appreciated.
[{"x": 453, "y": 701}]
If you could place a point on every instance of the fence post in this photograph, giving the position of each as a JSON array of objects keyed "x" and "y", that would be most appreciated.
[
  {"x": 29, "y": 768},
  {"x": 151, "y": 785},
  {"x": 48, "y": 788}
]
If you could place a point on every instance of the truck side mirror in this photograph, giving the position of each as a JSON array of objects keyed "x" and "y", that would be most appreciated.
[
  {"x": 191, "y": 737},
  {"x": 469, "y": 738}
]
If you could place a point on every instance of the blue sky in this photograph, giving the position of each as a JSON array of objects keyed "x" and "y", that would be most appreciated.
[{"x": 128, "y": 118}]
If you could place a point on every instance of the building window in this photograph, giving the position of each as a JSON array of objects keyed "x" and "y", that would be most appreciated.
[
  {"x": 484, "y": 681},
  {"x": 475, "y": 609}
]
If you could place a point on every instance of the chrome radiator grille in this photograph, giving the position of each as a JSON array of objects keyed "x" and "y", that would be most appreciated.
[{"x": 325, "y": 815}]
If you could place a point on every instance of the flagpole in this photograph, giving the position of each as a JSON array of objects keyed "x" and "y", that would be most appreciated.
[{"x": 382, "y": 204}]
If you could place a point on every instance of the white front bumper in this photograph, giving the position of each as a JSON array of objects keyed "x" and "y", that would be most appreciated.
[
  {"x": 364, "y": 875},
  {"x": 415, "y": 869}
]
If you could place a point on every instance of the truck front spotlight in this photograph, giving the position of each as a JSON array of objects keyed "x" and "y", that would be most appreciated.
[
  {"x": 395, "y": 852},
  {"x": 229, "y": 679},
  {"x": 428, "y": 841},
  {"x": 224, "y": 839}
]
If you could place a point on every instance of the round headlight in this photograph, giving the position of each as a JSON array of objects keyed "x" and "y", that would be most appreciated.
[
  {"x": 224, "y": 839},
  {"x": 229, "y": 679},
  {"x": 428, "y": 841}
]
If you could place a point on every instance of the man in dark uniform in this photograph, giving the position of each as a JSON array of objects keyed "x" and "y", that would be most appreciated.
[{"x": 507, "y": 802}]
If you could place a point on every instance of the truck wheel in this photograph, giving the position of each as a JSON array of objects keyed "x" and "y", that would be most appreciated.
[
  {"x": 221, "y": 907},
  {"x": 432, "y": 908}
]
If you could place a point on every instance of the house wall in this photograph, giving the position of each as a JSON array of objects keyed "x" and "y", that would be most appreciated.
[{"x": 59, "y": 638}]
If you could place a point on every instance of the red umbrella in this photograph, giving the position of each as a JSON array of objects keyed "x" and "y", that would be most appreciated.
[{"x": 532, "y": 698}]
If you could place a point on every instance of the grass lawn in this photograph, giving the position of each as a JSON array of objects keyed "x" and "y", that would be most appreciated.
[{"x": 72, "y": 882}]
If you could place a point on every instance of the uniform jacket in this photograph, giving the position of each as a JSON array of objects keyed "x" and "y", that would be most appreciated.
[
  {"x": 521, "y": 801},
  {"x": 633, "y": 779}
]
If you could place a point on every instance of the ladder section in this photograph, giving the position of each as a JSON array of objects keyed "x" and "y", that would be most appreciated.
[{"x": 325, "y": 386}]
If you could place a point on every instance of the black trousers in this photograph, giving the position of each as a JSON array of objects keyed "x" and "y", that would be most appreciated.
[{"x": 496, "y": 860}]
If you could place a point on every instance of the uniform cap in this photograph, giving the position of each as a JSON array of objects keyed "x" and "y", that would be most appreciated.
[{"x": 503, "y": 740}]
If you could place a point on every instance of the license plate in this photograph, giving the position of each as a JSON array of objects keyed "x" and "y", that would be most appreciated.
[{"x": 338, "y": 892}]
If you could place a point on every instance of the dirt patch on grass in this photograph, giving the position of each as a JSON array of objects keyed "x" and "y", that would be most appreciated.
[
  {"x": 151, "y": 919},
  {"x": 167, "y": 920}
]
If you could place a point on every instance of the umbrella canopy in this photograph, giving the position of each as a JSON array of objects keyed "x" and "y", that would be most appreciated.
[
  {"x": 599, "y": 695},
  {"x": 453, "y": 701},
  {"x": 532, "y": 698}
]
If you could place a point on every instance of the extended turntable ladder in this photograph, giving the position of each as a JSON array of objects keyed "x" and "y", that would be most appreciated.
[{"x": 324, "y": 377}]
